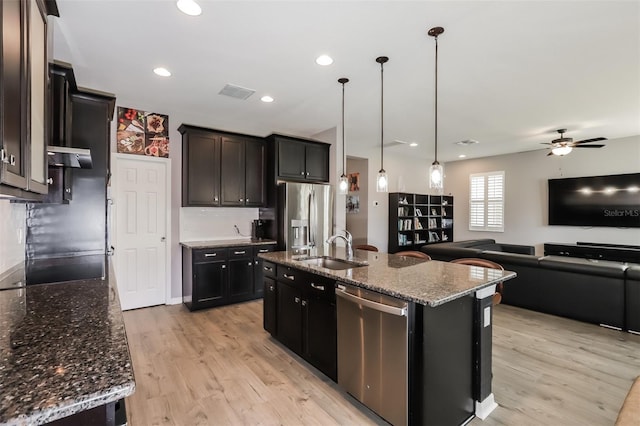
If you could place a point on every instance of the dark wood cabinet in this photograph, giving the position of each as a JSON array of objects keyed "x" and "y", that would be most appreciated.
[
  {"x": 269, "y": 305},
  {"x": 200, "y": 167},
  {"x": 299, "y": 159},
  {"x": 260, "y": 269},
  {"x": 241, "y": 273},
  {"x": 222, "y": 168},
  {"x": 221, "y": 276},
  {"x": 305, "y": 319},
  {"x": 23, "y": 97}
]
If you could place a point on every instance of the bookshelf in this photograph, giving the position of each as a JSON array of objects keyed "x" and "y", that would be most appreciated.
[{"x": 419, "y": 219}]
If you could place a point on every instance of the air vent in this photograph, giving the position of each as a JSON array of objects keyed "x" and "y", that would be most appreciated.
[
  {"x": 467, "y": 142},
  {"x": 237, "y": 92}
]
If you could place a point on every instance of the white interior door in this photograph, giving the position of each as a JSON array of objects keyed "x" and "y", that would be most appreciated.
[{"x": 140, "y": 207}]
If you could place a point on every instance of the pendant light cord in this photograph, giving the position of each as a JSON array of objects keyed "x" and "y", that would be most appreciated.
[
  {"x": 381, "y": 115},
  {"x": 344, "y": 146},
  {"x": 436, "y": 102}
]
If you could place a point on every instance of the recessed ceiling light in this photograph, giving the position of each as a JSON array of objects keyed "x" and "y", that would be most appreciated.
[
  {"x": 324, "y": 60},
  {"x": 413, "y": 144},
  {"x": 266, "y": 98},
  {"x": 190, "y": 7},
  {"x": 162, "y": 72},
  {"x": 462, "y": 156}
]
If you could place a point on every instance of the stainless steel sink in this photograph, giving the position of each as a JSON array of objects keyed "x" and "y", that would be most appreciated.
[{"x": 331, "y": 262}]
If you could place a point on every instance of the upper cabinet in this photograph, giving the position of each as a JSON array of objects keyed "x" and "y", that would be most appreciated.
[
  {"x": 299, "y": 159},
  {"x": 23, "y": 97},
  {"x": 222, "y": 168}
]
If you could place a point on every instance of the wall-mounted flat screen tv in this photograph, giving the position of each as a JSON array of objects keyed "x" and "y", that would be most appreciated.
[{"x": 612, "y": 200}]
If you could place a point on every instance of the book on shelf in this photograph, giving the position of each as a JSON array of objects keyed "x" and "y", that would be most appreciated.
[
  {"x": 403, "y": 211},
  {"x": 447, "y": 223},
  {"x": 433, "y": 237},
  {"x": 418, "y": 212},
  {"x": 433, "y": 223},
  {"x": 417, "y": 224}
]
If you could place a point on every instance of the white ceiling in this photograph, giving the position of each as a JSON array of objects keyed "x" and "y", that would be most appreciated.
[{"x": 510, "y": 72}]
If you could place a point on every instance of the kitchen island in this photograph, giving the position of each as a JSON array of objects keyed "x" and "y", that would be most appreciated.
[
  {"x": 447, "y": 310},
  {"x": 63, "y": 352}
]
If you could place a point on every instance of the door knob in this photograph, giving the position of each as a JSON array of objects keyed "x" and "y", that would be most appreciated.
[{"x": 163, "y": 239}]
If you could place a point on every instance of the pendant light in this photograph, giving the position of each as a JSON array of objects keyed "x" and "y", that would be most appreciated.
[
  {"x": 382, "y": 183},
  {"x": 343, "y": 186},
  {"x": 436, "y": 172}
]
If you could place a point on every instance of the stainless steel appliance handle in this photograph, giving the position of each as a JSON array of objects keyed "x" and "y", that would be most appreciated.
[
  {"x": 311, "y": 217},
  {"x": 393, "y": 310}
]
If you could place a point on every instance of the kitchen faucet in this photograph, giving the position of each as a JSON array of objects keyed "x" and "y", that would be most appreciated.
[{"x": 347, "y": 239}]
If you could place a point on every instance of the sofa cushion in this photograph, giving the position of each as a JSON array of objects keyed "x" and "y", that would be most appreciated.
[
  {"x": 603, "y": 268},
  {"x": 505, "y": 258}
]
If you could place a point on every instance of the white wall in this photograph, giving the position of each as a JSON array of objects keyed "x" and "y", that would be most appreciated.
[
  {"x": 12, "y": 235},
  {"x": 526, "y": 177}
]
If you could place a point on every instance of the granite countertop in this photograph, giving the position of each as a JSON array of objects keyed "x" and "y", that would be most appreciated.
[
  {"x": 226, "y": 243},
  {"x": 427, "y": 282},
  {"x": 63, "y": 349}
]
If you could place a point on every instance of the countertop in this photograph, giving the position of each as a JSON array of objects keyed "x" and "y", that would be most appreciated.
[
  {"x": 226, "y": 243},
  {"x": 427, "y": 282},
  {"x": 63, "y": 349}
]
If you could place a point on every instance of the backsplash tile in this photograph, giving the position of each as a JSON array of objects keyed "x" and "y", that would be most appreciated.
[
  {"x": 215, "y": 223},
  {"x": 12, "y": 234}
]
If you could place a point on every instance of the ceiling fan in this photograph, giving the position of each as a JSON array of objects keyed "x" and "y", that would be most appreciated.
[{"x": 563, "y": 146}]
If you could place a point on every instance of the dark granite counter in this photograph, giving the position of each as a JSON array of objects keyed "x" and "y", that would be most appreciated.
[
  {"x": 427, "y": 282},
  {"x": 63, "y": 349},
  {"x": 226, "y": 243}
]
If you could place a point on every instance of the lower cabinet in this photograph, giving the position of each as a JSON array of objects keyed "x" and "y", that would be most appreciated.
[
  {"x": 302, "y": 316},
  {"x": 221, "y": 276}
]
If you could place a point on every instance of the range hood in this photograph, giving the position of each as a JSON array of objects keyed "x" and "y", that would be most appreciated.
[{"x": 63, "y": 156}]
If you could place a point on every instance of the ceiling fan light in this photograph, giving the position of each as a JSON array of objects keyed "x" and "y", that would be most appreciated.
[
  {"x": 189, "y": 7},
  {"x": 561, "y": 150}
]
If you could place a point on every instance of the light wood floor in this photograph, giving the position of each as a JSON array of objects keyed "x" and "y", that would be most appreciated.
[{"x": 220, "y": 367}]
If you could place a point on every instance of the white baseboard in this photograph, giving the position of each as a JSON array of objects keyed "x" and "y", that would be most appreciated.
[
  {"x": 484, "y": 408},
  {"x": 174, "y": 301}
]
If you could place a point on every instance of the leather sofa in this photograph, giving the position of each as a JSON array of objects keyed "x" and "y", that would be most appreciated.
[
  {"x": 471, "y": 248},
  {"x": 632, "y": 298},
  {"x": 590, "y": 290}
]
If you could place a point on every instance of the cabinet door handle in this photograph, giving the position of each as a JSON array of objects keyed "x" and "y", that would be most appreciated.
[
  {"x": 317, "y": 286},
  {"x": 297, "y": 300},
  {"x": 250, "y": 264},
  {"x": 241, "y": 200},
  {"x": 50, "y": 181},
  {"x": 301, "y": 173},
  {"x": 210, "y": 254},
  {"x": 246, "y": 200},
  {"x": 290, "y": 277},
  {"x": 239, "y": 252},
  {"x": 304, "y": 303},
  {"x": 263, "y": 251},
  {"x": 3, "y": 156},
  {"x": 271, "y": 288},
  {"x": 267, "y": 268},
  {"x": 12, "y": 160},
  {"x": 307, "y": 173},
  {"x": 215, "y": 198},
  {"x": 224, "y": 266}
]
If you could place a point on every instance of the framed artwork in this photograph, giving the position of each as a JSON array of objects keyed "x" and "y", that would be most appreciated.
[
  {"x": 353, "y": 204},
  {"x": 354, "y": 182},
  {"x": 142, "y": 133}
]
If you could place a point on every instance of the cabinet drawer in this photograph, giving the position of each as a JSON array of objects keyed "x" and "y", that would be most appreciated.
[
  {"x": 267, "y": 248},
  {"x": 241, "y": 251},
  {"x": 290, "y": 275},
  {"x": 269, "y": 269},
  {"x": 320, "y": 286},
  {"x": 201, "y": 255}
]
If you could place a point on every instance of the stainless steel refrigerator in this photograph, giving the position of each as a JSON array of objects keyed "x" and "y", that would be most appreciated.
[{"x": 305, "y": 216}]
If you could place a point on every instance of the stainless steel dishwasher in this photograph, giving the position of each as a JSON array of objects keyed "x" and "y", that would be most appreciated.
[{"x": 373, "y": 350}]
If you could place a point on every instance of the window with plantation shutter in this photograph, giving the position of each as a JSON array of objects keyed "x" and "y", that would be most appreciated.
[{"x": 486, "y": 202}]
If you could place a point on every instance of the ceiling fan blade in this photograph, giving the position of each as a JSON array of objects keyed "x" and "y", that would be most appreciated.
[
  {"x": 590, "y": 140},
  {"x": 589, "y": 146},
  {"x": 545, "y": 143}
]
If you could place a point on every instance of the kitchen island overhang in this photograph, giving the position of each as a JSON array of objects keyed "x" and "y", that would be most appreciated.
[{"x": 450, "y": 317}]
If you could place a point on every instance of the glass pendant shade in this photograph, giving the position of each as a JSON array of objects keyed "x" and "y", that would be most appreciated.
[
  {"x": 561, "y": 150},
  {"x": 436, "y": 177},
  {"x": 343, "y": 185},
  {"x": 382, "y": 182}
]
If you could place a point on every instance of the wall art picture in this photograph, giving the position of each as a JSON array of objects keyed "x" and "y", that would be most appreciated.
[
  {"x": 354, "y": 182},
  {"x": 142, "y": 133},
  {"x": 353, "y": 204}
]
